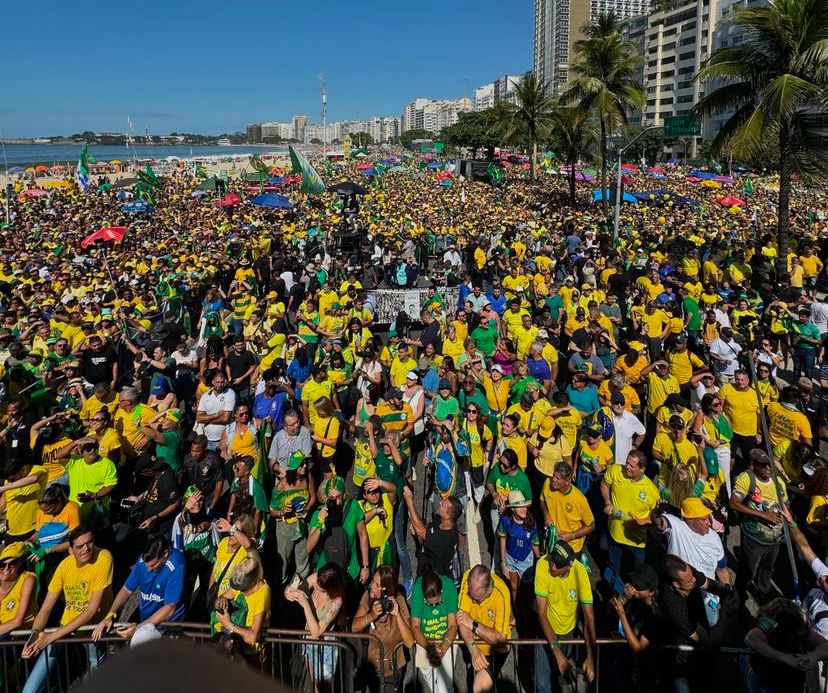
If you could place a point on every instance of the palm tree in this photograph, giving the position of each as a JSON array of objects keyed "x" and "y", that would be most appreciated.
[
  {"x": 605, "y": 81},
  {"x": 775, "y": 84},
  {"x": 500, "y": 121},
  {"x": 530, "y": 117},
  {"x": 573, "y": 136}
]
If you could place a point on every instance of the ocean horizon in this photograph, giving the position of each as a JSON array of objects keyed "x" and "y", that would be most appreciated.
[{"x": 50, "y": 154}]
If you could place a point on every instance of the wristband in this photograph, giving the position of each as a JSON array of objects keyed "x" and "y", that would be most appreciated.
[
  {"x": 793, "y": 525},
  {"x": 111, "y": 615},
  {"x": 555, "y": 644}
]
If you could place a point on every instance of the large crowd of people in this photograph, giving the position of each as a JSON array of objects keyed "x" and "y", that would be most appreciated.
[{"x": 574, "y": 439}]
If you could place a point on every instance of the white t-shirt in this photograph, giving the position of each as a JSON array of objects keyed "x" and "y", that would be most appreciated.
[
  {"x": 211, "y": 403},
  {"x": 626, "y": 427},
  {"x": 727, "y": 350},
  {"x": 703, "y": 552}
]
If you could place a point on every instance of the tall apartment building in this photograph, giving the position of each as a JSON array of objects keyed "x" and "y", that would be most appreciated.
[
  {"x": 254, "y": 132},
  {"x": 300, "y": 122},
  {"x": 559, "y": 24},
  {"x": 433, "y": 115},
  {"x": 674, "y": 43},
  {"x": 484, "y": 97}
]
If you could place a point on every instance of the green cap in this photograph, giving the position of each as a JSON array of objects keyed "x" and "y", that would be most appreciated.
[{"x": 297, "y": 457}]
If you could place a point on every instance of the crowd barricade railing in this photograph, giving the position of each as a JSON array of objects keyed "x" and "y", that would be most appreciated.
[{"x": 298, "y": 662}]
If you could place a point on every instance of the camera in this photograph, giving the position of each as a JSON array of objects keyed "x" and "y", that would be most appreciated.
[
  {"x": 386, "y": 603},
  {"x": 334, "y": 518}
]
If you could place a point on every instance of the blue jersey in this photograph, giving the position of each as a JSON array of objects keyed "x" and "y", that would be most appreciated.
[
  {"x": 164, "y": 586},
  {"x": 519, "y": 539}
]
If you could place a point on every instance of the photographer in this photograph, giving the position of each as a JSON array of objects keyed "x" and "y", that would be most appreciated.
[
  {"x": 158, "y": 577},
  {"x": 434, "y": 627},
  {"x": 384, "y": 613}
]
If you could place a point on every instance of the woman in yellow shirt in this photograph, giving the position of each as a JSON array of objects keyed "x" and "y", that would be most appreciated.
[
  {"x": 325, "y": 434},
  {"x": 247, "y": 588},
  {"x": 18, "y": 605},
  {"x": 452, "y": 346},
  {"x": 239, "y": 438}
]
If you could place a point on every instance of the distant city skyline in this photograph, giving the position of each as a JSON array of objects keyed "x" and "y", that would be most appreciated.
[{"x": 182, "y": 67}]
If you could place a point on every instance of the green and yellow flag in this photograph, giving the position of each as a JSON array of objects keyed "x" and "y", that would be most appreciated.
[{"x": 311, "y": 182}]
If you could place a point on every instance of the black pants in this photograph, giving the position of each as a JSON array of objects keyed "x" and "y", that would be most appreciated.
[
  {"x": 742, "y": 445},
  {"x": 757, "y": 564}
]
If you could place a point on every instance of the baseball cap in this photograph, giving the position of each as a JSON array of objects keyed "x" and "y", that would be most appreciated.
[
  {"x": 561, "y": 554},
  {"x": 497, "y": 367},
  {"x": 543, "y": 334},
  {"x": 675, "y": 420},
  {"x": 618, "y": 398},
  {"x": 760, "y": 457},
  {"x": 444, "y": 385},
  {"x": 297, "y": 457},
  {"x": 693, "y": 507},
  {"x": 13, "y": 551},
  {"x": 411, "y": 375}
]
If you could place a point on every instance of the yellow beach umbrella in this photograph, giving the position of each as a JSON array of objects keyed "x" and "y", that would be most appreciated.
[{"x": 116, "y": 162}]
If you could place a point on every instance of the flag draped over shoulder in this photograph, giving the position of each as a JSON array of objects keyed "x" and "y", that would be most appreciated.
[
  {"x": 82, "y": 173},
  {"x": 311, "y": 182}
]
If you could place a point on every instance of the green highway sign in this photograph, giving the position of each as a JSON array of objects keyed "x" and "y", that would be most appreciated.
[{"x": 681, "y": 126}]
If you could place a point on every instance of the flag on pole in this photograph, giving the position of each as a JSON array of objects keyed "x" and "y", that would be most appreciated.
[
  {"x": 749, "y": 186},
  {"x": 258, "y": 165},
  {"x": 311, "y": 182},
  {"x": 148, "y": 177},
  {"x": 82, "y": 172}
]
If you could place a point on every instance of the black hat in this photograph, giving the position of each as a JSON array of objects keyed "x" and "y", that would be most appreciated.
[
  {"x": 561, "y": 555},
  {"x": 644, "y": 578}
]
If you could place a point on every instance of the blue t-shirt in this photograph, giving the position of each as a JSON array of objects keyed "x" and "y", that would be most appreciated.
[
  {"x": 519, "y": 540},
  {"x": 164, "y": 586},
  {"x": 539, "y": 369},
  {"x": 274, "y": 407},
  {"x": 585, "y": 401}
]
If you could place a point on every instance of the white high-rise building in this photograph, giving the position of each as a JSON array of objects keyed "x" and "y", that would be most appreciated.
[
  {"x": 484, "y": 97},
  {"x": 559, "y": 24}
]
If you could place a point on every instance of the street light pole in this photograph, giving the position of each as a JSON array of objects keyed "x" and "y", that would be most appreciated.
[{"x": 621, "y": 151}]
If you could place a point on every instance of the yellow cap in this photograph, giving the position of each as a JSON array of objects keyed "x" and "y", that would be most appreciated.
[
  {"x": 694, "y": 508},
  {"x": 13, "y": 551}
]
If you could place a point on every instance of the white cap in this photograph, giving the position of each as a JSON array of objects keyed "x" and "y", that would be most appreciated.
[
  {"x": 543, "y": 334},
  {"x": 497, "y": 367},
  {"x": 411, "y": 375}
]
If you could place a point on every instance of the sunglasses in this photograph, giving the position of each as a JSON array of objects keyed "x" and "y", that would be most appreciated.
[
  {"x": 6, "y": 565},
  {"x": 98, "y": 418}
]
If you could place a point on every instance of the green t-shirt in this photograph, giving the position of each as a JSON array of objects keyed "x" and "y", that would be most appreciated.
[
  {"x": 352, "y": 515},
  {"x": 387, "y": 470},
  {"x": 485, "y": 340},
  {"x": 434, "y": 618},
  {"x": 443, "y": 408},
  {"x": 555, "y": 305},
  {"x": 89, "y": 478},
  {"x": 504, "y": 483},
  {"x": 691, "y": 308},
  {"x": 170, "y": 450}
]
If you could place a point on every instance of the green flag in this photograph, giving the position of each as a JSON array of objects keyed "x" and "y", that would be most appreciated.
[
  {"x": 82, "y": 172},
  {"x": 200, "y": 171},
  {"x": 258, "y": 164},
  {"x": 749, "y": 186},
  {"x": 495, "y": 172},
  {"x": 148, "y": 177},
  {"x": 311, "y": 182},
  {"x": 143, "y": 191}
]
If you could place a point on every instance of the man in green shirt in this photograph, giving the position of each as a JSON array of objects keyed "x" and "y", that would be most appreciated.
[
  {"x": 692, "y": 318},
  {"x": 163, "y": 429},
  {"x": 444, "y": 404},
  {"x": 485, "y": 336},
  {"x": 806, "y": 339}
]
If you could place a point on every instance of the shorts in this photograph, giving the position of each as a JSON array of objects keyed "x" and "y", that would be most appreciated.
[
  {"x": 809, "y": 282},
  {"x": 520, "y": 567}
]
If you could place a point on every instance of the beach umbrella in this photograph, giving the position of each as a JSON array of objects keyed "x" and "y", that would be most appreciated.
[
  {"x": 711, "y": 184},
  {"x": 446, "y": 183},
  {"x": 17, "y": 169},
  {"x": 731, "y": 201},
  {"x": 125, "y": 183},
  {"x": 362, "y": 167},
  {"x": 590, "y": 171},
  {"x": 724, "y": 179},
  {"x": 136, "y": 207},
  {"x": 435, "y": 166},
  {"x": 346, "y": 187},
  {"x": 196, "y": 193},
  {"x": 629, "y": 167},
  {"x": 116, "y": 162},
  {"x": 123, "y": 195},
  {"x": 107, "y": 234},
  {"x": 277, "y": 180},
  {"x": 583, "y": 176},
  {"x": 58, "y": 167},
  {"x": 397, "y": 169},
  {"x": 35, "y": 192},
  {"x": 55, "y": 184},
  {"x": 657, "y": 169},
  {"x": 598, "y": 195},
  {"x": 704, "y": 175},
  {"x": 367, "y": 172},
  {"x": 272, "y": 200},
  {"x": 41, "y": 168},
  {"x": 230, "y": 200},
  {"x": 693, "y": 179}
]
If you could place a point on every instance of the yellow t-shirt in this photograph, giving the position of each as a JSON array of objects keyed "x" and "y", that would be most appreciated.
[
  {"x": 630, "y": 499},
  {"x": 812, "y": 265},
  {"x": 78, "y": 584},
  {"x": 786, "y": 427},
  {"x": 109, "y": 443},
  {"x": 518, "y": 444},
  {"x": 570, "y": 422},
  {"x": 495, "y": 611},
  {"x": 673, "y": 453},
  {"x": 741, "y": 408},
  {"x": 129, "y": 426},
  {"x": 655, "y": 323},
  {"x": 632, "y": 372},
  {"x": 399, "y": 369},
  {"x": 49, "y": 457},
  {"x": 818, "y": 515},
  {"x": 312, "y": 391},
  {"x": 601, "y": 455},
  {"x": 660, "y": 389},
  {"x": 682, "y": 364},
  {"x": 258, "y": 602},
  {"x": 21, "y": 504},
  {"x": 93, "y": 405},
  {"x": 378, "y": 530},
  {"x": 326, "y": 428},
  {"x": 563, "y": 594},
  {"x": 568, "y": 511},
  {"x": 224, "y": 554},
  {"x": 10, "y": 604}
]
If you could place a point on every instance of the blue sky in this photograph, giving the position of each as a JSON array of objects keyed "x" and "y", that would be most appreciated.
[{"x": 214, "y": 66}]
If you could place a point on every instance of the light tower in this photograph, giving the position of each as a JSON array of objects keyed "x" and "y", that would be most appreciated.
[{"x": 324, "y": 115}]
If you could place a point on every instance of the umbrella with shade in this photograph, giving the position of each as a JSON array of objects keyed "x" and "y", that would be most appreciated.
[
  {"x": 230, "y": 200},
  {"x": 116, "y": 162},
  {"x": 197, "y": 193},
  {"x": 731, "y": 201},
  {"x": 362, "y": 167},
  {"x": 35, "y": 192},
  {"x": 346, "y": 187},
  {"x": 704, "y": 175},
  {"x": 16, "y": 169},
  {"x": 397, "y": 169},
  {"x": 58, "y": 167},
  {"x": 367, "y": 172},
  {"x": 583, "y": 176},
  {"x": 272, "y": 200},
  {"x": 710, "y": 184},
  {"x": 629, "y": 167},
  {"x": 108, "y": 234},
  {"x": 599, "y": 195},
  {"x": 590, "y": 171},
  {"x": 693, "y": 179},
  {"x": 657, "y": 169},
  {"x": 41, "y": 168},
  {"x": 125, "y": 183},
  {"x": 136, "y": 207},
  {"x": 277, "y": 180},
  {"x": 55, "y": 184},
  {"x": 724, "y": 179},
  {"x": 435, "y": 166}
]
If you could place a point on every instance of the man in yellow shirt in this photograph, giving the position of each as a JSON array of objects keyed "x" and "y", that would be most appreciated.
[
  {"x": 484, "y": 623},
  {"x": 129, "y": 419},
  {"x": 561, "y": 586},
  {"x": 661, "y": 384},
  {"x": 402, "y": 363},
  {"x": 742, "y": 409},
  {"x": 683, "y": 364},
  {"x": 629, "y": 498},
  {"x": 566, "y": 508},
  {"x": 318, "y": 385},
  {"x": 84, "y": 580},
  {"x": 812, "y": 266},
  {"x": 787, "y": 425},
  {"x": 524, "y": 334}
]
